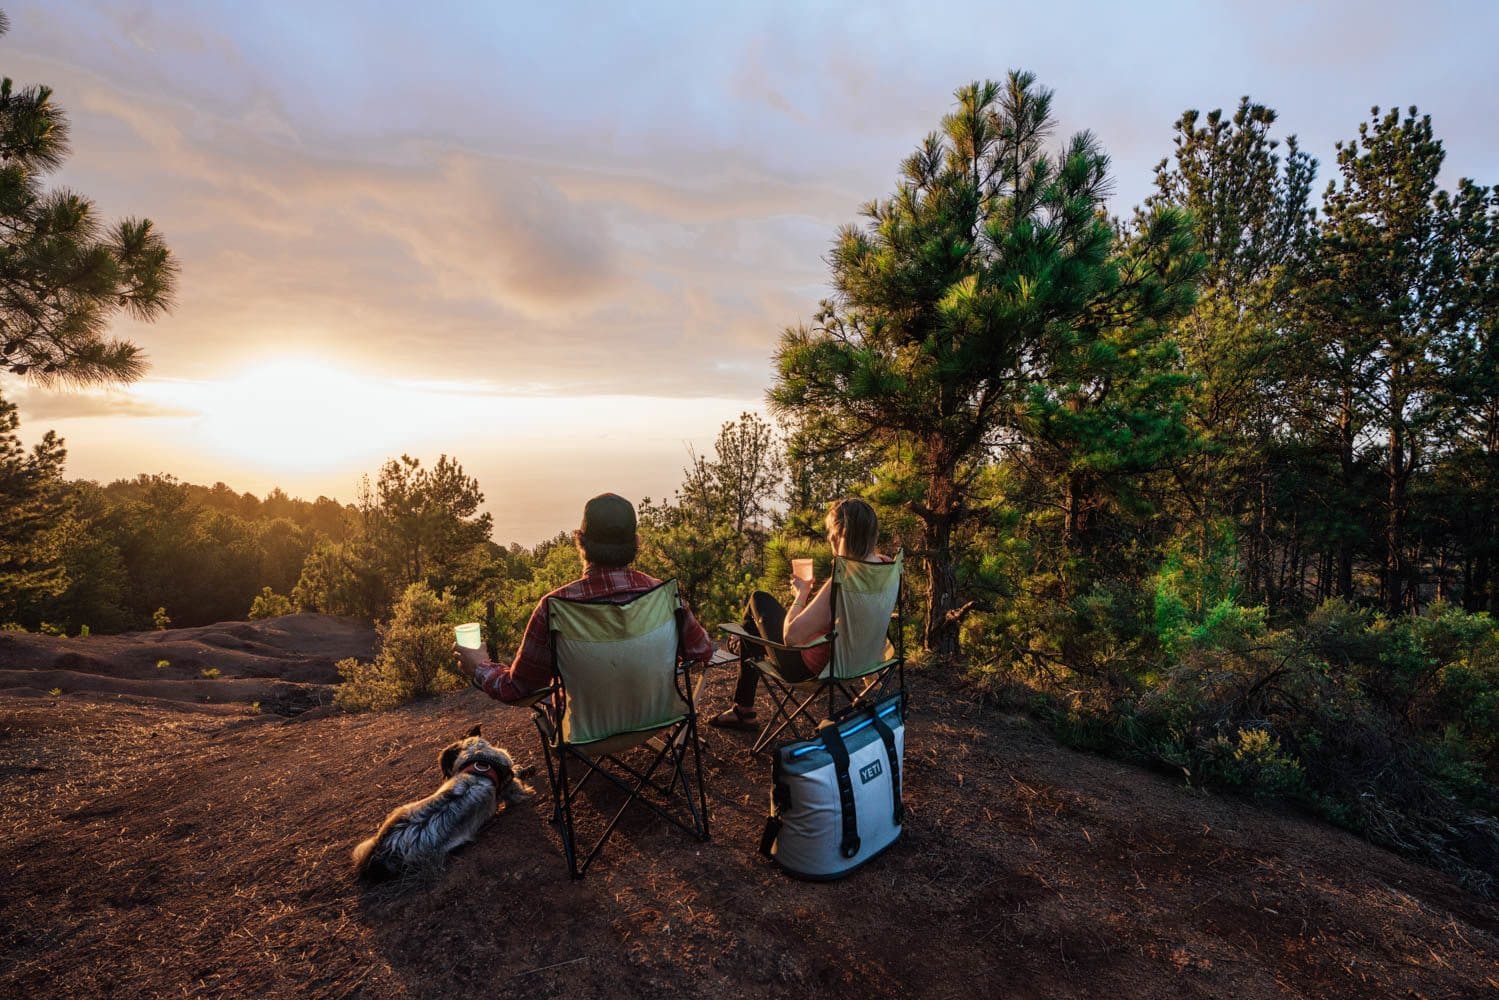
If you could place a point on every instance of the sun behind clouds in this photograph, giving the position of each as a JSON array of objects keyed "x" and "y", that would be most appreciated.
[{"x": 305, "y": 413}]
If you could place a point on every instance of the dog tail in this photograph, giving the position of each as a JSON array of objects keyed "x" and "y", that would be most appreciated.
[{"x": 366, "y": 865}]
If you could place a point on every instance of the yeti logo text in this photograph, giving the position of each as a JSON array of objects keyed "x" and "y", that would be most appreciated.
[{"x": 869, "y": 772}]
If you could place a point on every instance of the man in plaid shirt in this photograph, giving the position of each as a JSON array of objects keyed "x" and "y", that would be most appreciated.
[{"x": 607, "y": 543}]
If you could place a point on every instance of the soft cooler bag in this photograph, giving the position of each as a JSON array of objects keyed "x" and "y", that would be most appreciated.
[{"x": 836, "y": 802}]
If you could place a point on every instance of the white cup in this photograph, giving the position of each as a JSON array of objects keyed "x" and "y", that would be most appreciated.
[
  {"x": 468, "y": 635},
  {"x": 802, "y": 569}
]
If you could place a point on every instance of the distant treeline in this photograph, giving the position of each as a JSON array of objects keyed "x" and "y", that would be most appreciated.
[
  {"x": 144, "y": 552},
  {"x": 124, "y": 550}
]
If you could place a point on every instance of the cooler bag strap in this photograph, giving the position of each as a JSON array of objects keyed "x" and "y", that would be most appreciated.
[
  {"x": 782, "y": 797},
  {"x": 832, "y": 739},
  {"x": 888, "y": 736},
  {"x": 768, "y": 838}
]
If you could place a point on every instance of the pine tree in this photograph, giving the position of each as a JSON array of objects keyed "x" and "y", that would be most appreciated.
[
  {"x": 63, "y": 272},
  {"x": 1473, "y": 360},
  {"x": 1249, "y": 206},
  {"x": 970, "y": 301},
  {"x": 1388, "y": 296},
  {"x": 421, "y": 522},
  {"x": 33, "y": 502}
]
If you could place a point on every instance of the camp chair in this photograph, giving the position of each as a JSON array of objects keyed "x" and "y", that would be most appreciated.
[
  {"x": 866, "y": 597},
  {"x": 619, "y": 688}
]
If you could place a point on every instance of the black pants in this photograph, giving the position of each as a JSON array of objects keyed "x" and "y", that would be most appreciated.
[{"x": 764, "y": 617}]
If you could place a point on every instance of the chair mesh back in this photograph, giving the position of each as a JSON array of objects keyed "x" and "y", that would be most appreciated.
[
  {"x": 867, "y": 593},
  {"x": 618, "y": 663}
]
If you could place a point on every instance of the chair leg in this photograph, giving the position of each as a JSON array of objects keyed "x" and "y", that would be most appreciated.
[
  {"x": 702, "y": 789},
  {"x": 569, "y": 846},
  {"x": 672, "y": 752},
  {"x": 632, "y": 795},
  {"x": 780, "y": 696},
  {"x": 697, "y": 804},
  {"x": 790, "y": 720},
  {"x": 546, "y": 753}
]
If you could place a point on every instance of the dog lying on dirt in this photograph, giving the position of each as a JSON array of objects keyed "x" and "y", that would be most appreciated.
[{"x": 419, "y": 834}]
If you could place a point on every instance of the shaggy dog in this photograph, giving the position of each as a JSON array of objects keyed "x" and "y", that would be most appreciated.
[{"x": 419, "y": 834}]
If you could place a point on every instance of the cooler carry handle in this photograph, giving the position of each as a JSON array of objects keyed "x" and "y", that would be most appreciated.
[
  {"x": 888, "y": 737},
  {"x": 832, "y": 739}
]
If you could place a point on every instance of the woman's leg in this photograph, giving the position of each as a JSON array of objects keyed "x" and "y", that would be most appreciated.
[{"x": 763, "y": 616}]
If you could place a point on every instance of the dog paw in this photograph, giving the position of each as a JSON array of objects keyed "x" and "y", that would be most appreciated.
[{"x": 518, "y": 791}]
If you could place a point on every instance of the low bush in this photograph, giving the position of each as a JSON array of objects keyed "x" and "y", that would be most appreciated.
[
  {"x": 1386, "y": 727},
  {"x": 269, "y": 604},
  {"x": 415, "y": 658}
]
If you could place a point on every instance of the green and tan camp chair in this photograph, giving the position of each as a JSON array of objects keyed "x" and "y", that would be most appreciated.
[
  {"x": 620, "y": 688},
  {"x": 863, "y": 661}
]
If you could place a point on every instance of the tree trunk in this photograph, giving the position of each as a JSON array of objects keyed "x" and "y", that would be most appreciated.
[
  {"x": 1394, "y": 561},
  {"x": 938, "y": 516},
  {"x": 1478, "y": 586},
  {"x": 1345, "y": 462},
  {"x": 941, "y": 633},
  {"x": 1262, "y": 541},
  {"x": 1076, "y": 529}
]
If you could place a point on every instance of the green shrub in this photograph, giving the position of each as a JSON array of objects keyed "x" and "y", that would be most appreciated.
[
  {"x": 415, "y": 658},
  {"x": 269, "y": 604},
  {"x": 163, "y": 664},
  {"x": 210, "y": 673},
  {"x": 161, "y": 620},
  {"x": 557, "y": 564},
  {"x": 1387, "y": 727}
]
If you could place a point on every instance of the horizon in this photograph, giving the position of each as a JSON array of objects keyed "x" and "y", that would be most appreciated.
[{"x": 492, "y": 234}]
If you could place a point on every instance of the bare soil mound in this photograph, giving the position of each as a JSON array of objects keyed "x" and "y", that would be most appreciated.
[
  {"x": 297, "y": 649},
  {"x": 158, "y": 847}
]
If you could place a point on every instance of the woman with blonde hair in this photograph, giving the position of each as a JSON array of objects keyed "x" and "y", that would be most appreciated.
[{"x": 853, "y": 532}]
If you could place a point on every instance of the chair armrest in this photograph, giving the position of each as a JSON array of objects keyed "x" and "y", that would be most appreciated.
[
  {"x": 737, "y": 630},
  {"x": 530, "y": 700}
]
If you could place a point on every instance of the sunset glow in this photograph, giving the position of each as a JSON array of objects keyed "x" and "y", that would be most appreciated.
[
  {"x": 301, "y": 414},
  {"x": 471, "y": 259},
  {"x": 311, "y": 426}
]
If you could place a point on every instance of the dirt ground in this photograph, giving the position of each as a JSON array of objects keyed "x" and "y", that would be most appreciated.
[
  {"x": 285, "y": 664},
  {"x": 160, "y": 845}
]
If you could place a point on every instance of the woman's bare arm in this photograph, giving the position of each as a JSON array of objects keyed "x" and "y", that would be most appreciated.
[{"x": 807, "y": 623}]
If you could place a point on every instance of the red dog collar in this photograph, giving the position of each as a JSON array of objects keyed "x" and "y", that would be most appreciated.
[{"x": 482, "y": 769}]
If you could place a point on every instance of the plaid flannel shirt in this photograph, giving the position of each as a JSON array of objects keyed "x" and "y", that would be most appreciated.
[{"x": 531, "y": 670}]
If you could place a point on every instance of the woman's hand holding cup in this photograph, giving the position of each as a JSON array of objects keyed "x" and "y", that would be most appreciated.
[{"x": 801, "y": 578}]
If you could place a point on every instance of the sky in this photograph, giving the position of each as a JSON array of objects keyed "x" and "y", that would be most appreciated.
[{"x": 560, "y": 241}]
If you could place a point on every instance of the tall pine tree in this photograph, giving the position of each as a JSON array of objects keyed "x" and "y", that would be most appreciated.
[
  {"x": 1249, "y": 206},
  {"x": 1390, "y": 296},
  {"x": 986, "y": 294}
]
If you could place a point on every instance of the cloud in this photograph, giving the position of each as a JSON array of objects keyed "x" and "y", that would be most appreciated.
[
  {"x": 484, "y": 229},
  {"x": 426, "y": 257},
  {"x": 45, "y": 404},
  {"x": 640, "y": 204}
]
